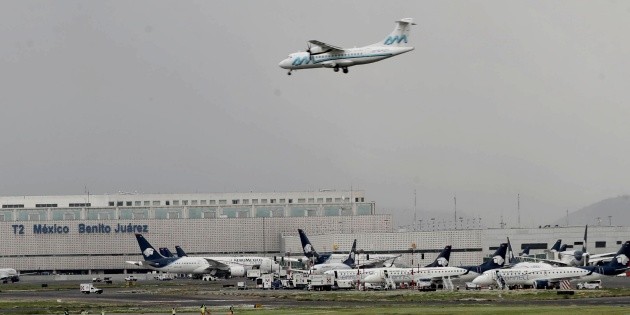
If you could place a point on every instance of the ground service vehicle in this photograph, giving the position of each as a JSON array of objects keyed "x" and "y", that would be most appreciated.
[
  {"x": 88, "y": 288},
  {"x": 595, "y": 284}
]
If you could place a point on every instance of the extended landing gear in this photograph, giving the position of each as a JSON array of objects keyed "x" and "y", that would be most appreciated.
[
  {"x": 289, "y": 73},
  {"x": 345, "y": 69}
]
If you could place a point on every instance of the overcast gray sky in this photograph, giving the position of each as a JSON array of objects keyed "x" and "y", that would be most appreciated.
[{"x": 498, "y": 98}]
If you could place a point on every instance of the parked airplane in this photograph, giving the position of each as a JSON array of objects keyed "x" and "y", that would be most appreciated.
[
  {"x": 563, "y": 257},
  {"x": 9, "y": 274},
  {"x": 362, "y": 260},
  {"x": 322, "y": 55},
  {"x": 497, "y": 261},
  {"x": 541, "y": 276},
  {"x": 360, "y": 274},
  {"x": 216, "y": 266},
  {"x": 616, "y": 266},
  {"x": 154, "y": 261}
]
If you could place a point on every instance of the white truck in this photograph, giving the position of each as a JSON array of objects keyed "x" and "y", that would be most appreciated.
[
  {"x": 595, "y": 284},
  {"x": 321, "y": 282},
  {"x": 88, "y": 288},
  {"x": 264, "y": 282}
]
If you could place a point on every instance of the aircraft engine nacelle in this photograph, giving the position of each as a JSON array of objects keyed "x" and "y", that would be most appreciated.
[
  {"x": 540, "y": 284},
  {"x": 237, "y": 271}
]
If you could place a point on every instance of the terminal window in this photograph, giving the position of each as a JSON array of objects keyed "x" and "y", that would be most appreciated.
[
  {"x": 12, "y": 206},
  {"x": 46, "y": 205},
  {"x": 129, "y": 203},
  {"x": 234, "y": 201},
  {"x": 600, "y": 244},
  {"x": 184, "y": 202},
  {"x": 119, "y": 203}
]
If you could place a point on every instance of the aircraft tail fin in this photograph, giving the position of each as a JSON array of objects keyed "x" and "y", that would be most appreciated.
[
  {"x": 498, "y": 258},
  {"x": 563, "y": 248},
  {"x": 556, "y": 246},
  {"x": 180, "y": 251},
  {"x": 148, "y": 252},
  {"x": 525, "y": 251},
  {"x": 307, "y": 247},
  {"x": 442, "y": 258},
  {"x": 399, "y": 36},
  {"x": 621, "y": 259},
  {"x": 164, "y": 251},
  {"x": 350, "y": 261}
]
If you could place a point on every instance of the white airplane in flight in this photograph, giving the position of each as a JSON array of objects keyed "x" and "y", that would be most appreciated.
[{"x": 322, "y": 55}]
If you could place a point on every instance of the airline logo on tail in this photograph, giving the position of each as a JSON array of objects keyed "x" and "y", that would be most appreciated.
[
  {"x": 395, "y": 39},
  {"x": 622, "y": 259},
  {"x": 442, "y": 262},
  {"x": 498, "y": 260},
  {"x": 308, "y": 248},
  {"x": 148, "y": 252}
]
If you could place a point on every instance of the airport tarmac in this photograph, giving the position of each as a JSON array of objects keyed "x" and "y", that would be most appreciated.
[{"x": 149, "y": 295}]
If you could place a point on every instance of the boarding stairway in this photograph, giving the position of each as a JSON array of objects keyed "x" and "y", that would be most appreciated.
[
  {"x": 448, "y": 283},
  {"x": 389, "y": 282}
]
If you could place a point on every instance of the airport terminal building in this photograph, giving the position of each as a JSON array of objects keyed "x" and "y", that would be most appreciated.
[
  {"x": 87, "y": 233},
  {"x": 95, "y": 233}
]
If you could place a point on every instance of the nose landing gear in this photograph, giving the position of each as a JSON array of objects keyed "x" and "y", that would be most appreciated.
[{"x": 289, "y": 73}]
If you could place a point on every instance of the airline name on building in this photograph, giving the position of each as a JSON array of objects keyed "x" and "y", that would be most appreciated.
[{"x": 82, "y": 228}]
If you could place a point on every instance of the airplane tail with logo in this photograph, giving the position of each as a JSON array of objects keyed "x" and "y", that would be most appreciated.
[
  {"x": 148, "y": 252},
  {"x": 621, "y": 259},
  {"x": 442, "y": 258},
  {"x": 350, "y": 260},
  {"x": 498, "y": 258},
  {"x": 307, "y": 247},
  {"x": 400, "y": 35},
  {"x": 180, "y": 251}
]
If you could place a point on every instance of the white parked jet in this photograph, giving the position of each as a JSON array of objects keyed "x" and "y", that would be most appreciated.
[
  {"x": 540, "y": 276},
  {"x": 219, "y": 266},
  {"x": 322, "y": 55}
]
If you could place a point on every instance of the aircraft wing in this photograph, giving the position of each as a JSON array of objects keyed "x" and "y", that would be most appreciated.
[
  {"x": 597, "y": 258},
  {"x": 325, "y": 46},
  {"x": 375, "y": 263}
]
